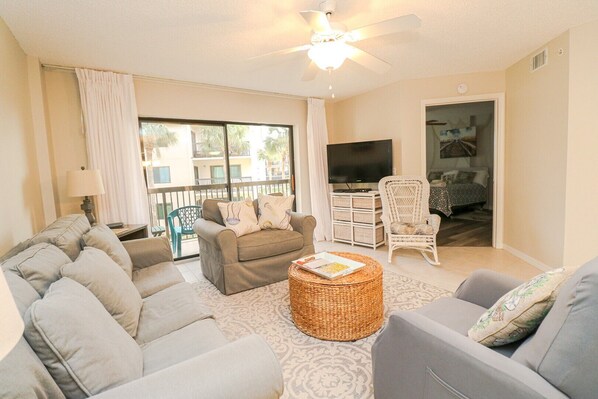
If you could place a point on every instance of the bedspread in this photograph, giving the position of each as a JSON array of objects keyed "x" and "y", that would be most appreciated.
[{"x": 444, "y": 198}]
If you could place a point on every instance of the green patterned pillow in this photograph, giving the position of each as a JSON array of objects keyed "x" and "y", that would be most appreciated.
[{"x": 520, "y": 311}]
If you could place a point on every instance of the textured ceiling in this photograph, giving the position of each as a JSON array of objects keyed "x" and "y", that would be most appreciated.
[{"x": 210, "y": 41}]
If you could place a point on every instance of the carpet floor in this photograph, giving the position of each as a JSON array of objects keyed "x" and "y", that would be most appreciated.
[{"x": 312, "y": 368}]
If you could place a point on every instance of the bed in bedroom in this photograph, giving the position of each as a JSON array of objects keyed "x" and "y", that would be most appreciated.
[{"x": 450, "y": 189}]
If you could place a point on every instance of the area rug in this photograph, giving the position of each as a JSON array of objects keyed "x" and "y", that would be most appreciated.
[{"x": 312, "y": 368}]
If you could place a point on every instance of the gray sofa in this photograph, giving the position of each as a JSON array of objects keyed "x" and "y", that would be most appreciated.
[
  {"x": 176, "y": 348},
  {"x": 426, "y": 353},
  {"x": 237, "y": 264}
]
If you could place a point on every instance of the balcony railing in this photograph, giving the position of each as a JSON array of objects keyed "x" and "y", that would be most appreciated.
[{"x": 164, "y": 200}]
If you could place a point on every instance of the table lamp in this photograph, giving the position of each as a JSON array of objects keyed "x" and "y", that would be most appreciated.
[
  {"x": 11, "y": 324},
  {"x": 85, "y": 183}
]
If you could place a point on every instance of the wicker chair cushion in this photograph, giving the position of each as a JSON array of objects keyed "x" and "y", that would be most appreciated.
[{"x": 411, "y": 228}]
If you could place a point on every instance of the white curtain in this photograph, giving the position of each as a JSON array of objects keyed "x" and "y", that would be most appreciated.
[
  {"x": 112, "y": 137},
  {"x": 317, "y": 138}
]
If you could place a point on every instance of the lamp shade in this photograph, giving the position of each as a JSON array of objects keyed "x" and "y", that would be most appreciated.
[
  {"x": 81, "y": 183},
  {"x": 11, "y": 324}
]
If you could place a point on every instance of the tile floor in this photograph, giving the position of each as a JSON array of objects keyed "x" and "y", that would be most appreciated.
[{"x": 456, "y": 263}]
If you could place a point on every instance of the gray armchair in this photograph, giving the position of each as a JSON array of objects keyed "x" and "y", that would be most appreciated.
[
  {"x": 426, "y": 353},
  {"x": 237, "y": 264}
]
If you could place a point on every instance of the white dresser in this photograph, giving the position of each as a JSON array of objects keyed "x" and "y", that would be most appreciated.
[{"x": 356, "y": 219}]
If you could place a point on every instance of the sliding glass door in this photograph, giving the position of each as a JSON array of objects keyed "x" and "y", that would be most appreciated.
[{"x": 187, "y": 162}]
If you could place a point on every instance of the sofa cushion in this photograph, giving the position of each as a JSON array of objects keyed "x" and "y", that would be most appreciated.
[
  {"x": 456, "y": 314},
  {"x": 268, "y": 243},
  {"x": 565, "y": 347},
  {"x": 39, "y": 265},
  {"x": 193, "y": 340},
  {"x": 20, "y": 247},
  {"x": 518, "y": 312},
  {"x": 274, "y": 211},
  {"x": 102, "y": 237},
  {"x": 239, "y": 216},
  {"x": 95, "y": 270},
  {"x": 85, "y": 350},
  {"x": 211, "y": 212},
  {"x": 23, "y": 375},
  {"x": 22, "y": 292},
  {"x": 411, "y": 228},
  {"x": 169, "y": 310},
  {"x": 65, "y": 233},
  {"x": 152, "y": 279}
]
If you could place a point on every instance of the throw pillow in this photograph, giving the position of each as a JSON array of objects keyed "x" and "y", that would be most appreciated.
[
  {"x": 450, "y": 176},
  {"x": 481, "y": 177},
  {"x": 520, "y": 311},
  {"x": 411, "y": 228},
  {"x": 39, "y": 265},
  {"x": 65, "y": 232},
  {"x": 275, "y": 212},
  {"x": 464, "y": 177},
  {"x": 102, "y": 237},
  {"x": 434, "y": 175},
  {"x": 239, "y": 216},
  {"x": 110, "y": 284},
  {"x": 81, "y": 345}
]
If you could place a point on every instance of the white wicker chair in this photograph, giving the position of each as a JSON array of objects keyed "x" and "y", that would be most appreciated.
[{"x": 405, "y": 207}]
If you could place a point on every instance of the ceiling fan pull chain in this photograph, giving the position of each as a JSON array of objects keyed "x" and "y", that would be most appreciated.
[{"x": 330, "y": 79}]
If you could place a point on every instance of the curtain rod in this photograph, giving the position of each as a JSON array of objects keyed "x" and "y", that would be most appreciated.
[{"x": 185, "y": 83}]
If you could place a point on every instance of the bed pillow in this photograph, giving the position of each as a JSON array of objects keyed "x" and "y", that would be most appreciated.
[
  {"x": 275, "y": 212},
  {"x": 81, "y": 345},
  {"x": 464, "y": 177},
  {"x": 103, "y": 238},
  {"x": 520, "y": 311},
  {"x": 481, "y": 177},
  {"x": 95, "y": 270},
  {"x": 239, "y": 216},
  {"x": 434, "y": 175},
  {"x": 450, "y": 176}
]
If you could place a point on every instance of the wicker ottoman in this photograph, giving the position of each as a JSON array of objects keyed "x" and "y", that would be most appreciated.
[{"x": 346, "y": 309}]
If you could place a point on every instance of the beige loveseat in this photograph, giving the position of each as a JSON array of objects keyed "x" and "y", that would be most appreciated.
[
  {"x": 82, "y": 340},
  {"x": 234, "y": 264}
]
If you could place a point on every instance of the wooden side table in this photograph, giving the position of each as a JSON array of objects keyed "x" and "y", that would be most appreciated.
[
  {"x": 345, "y": 309},
  {"x": 131, "y": 232}
]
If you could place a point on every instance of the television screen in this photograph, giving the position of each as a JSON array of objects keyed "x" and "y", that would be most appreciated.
[{"x": 362, "y": 162}]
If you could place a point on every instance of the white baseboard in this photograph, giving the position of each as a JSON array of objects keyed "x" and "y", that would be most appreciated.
[{"x": 523, "y": 256}]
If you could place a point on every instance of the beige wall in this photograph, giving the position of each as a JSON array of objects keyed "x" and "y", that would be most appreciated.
[
  {"x": 21, "y": 209},
  {"x": 536, "y": 155},
  {"x": 581, "y": 232},
  {"x": 394, "y": 111},
  {"x": 169, "y": 100}
]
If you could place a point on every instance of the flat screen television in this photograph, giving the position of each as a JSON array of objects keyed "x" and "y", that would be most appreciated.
[{"x": 361, "y": 162}]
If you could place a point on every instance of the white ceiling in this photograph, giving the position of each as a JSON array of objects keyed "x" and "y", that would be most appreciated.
[{"x": 210, "y": 41}]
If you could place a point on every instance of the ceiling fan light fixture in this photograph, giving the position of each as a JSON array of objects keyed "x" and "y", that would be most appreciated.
[{"x": 328, "y": 55}]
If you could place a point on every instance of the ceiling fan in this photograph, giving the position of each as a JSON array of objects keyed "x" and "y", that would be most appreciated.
[
  {"x": 435, "y": 122},
  {"x": 330, "y": 46}
]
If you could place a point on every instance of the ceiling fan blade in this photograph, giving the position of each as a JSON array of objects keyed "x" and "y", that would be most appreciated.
[
  {"x": 394, "y": 25},
  {"x": 310, "y": 72},
  {"x": 291, "y": 50},
  {"x": 317, "y": 20},
  {"x": 367, "y": 60}
]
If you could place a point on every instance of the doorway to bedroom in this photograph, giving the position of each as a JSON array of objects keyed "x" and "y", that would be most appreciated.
[{"x": 460, "y": 159}]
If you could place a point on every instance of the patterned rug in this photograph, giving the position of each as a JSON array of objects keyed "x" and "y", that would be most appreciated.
[{"x": 311, "y": 368}]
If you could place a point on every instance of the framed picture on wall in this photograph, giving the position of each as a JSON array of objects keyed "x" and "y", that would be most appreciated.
[{"x": 458, "y": 143}]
